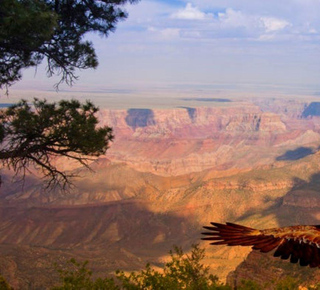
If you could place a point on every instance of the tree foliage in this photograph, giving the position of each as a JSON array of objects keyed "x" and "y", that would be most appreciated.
[
  {"x": 35, "y": 135},
  {"x": 4, "y": 285},
  {"x": 249, "y": 285},
  {"x": 34, "y": 30},
  {"x": 181, "y": 272},
  {"x": 288, "y": 283},
  {"x": 79, "y": 277},
  {"x": 24, "y": 27},
  {"x": 31, "y": 30}
]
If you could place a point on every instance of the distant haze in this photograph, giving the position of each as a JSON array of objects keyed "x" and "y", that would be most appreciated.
[{"x": 243, "y": 45}]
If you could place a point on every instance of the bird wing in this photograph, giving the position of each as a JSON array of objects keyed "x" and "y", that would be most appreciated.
[{"x": 300, "y": 243}]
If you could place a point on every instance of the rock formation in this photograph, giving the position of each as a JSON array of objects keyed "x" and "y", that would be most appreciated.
[{"x": 167, "y": 173}]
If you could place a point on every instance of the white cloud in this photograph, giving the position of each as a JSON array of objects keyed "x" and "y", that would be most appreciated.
[
  {"x": 189, "y": 13},
  {"x": 254, "y": 24},
  {"x": 233, "y": 18},
  {"x": 273, "y": 24},
  {"x": 222, "y": 40},
  {"x": 234, "y": 21},
  {"x": 170, "y": 33},
  {"x": 166, "y": 33}
]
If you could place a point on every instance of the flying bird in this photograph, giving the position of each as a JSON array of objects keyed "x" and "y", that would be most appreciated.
[{"x": 299, "y": 243}]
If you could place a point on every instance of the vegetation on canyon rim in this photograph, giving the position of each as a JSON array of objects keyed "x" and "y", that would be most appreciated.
[
  {"x": 34, "y": 30},
  {"x": 182, "y": 271}
]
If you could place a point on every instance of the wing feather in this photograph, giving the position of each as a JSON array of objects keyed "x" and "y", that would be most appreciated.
[
  {"x": 286, "y": 250},
  {"x": 280, "y": 249},
  {"x": 305, "y": 259},
  {"x": 266, "y": 245},
  {"x": 299, "y": 243},
  {"x": 270, "y": 246},
  {"x": 316, "y": 258},
  {"x": 237, "y": 235},
  {"x": 294, "y": 259}
]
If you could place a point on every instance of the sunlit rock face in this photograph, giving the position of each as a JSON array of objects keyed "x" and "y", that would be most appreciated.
[
  {"x": 184, "y": 140},
  {"x": 168, "y": 173}
]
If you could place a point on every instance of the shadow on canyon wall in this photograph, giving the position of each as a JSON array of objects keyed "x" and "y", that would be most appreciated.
[
  {"x": 300, "y": 205},
  {"x": 313, "y": 109},
  {"x": 140, "y": 118},
  {"x": 14, "y": 185},
  {"x": 118, "y": 235},
  {"x": 296, "y": 154},
  {"x": 192, "y": 112},
  {"x": 127, "y": 224}
]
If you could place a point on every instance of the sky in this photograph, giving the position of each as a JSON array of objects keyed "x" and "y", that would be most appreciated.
[{"x": 205, "y": 43}]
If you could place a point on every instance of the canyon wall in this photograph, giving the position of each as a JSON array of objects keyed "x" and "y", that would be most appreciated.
[
  {"x": 184, "y": 140},
  {"x": 168, "y": 173}
]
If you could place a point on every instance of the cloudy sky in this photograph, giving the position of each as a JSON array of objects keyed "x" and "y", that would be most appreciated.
[{"x": 174, "y": 43}]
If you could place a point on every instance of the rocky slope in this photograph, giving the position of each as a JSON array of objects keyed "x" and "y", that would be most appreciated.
[
  {"x": 267, "y": 271},
  {"x": 168, "y": 173},
  {"x": 183, "y": 140},
  {"x": 143, "y": 226},
  {"x": 300, "y": 205}
]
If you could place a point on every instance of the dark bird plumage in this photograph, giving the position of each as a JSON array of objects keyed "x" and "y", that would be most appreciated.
[{"x": 299, "y": 243}]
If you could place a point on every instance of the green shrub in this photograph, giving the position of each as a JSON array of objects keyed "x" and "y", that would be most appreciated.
[
  {"x": 183, "y": 271},
  {"x": 4, "y": 285}
]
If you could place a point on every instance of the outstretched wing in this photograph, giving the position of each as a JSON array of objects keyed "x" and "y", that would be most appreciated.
[{"x": 299, "y": 243}]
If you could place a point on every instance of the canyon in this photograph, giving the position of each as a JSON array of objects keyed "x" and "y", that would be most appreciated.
[{"x": 167, "y": 173}]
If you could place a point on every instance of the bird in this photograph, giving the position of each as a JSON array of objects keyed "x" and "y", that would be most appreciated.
[{"x": 300, "y": 243}]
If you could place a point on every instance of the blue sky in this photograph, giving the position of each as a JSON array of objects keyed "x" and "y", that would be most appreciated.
[{"x": 206, "y": 42}]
